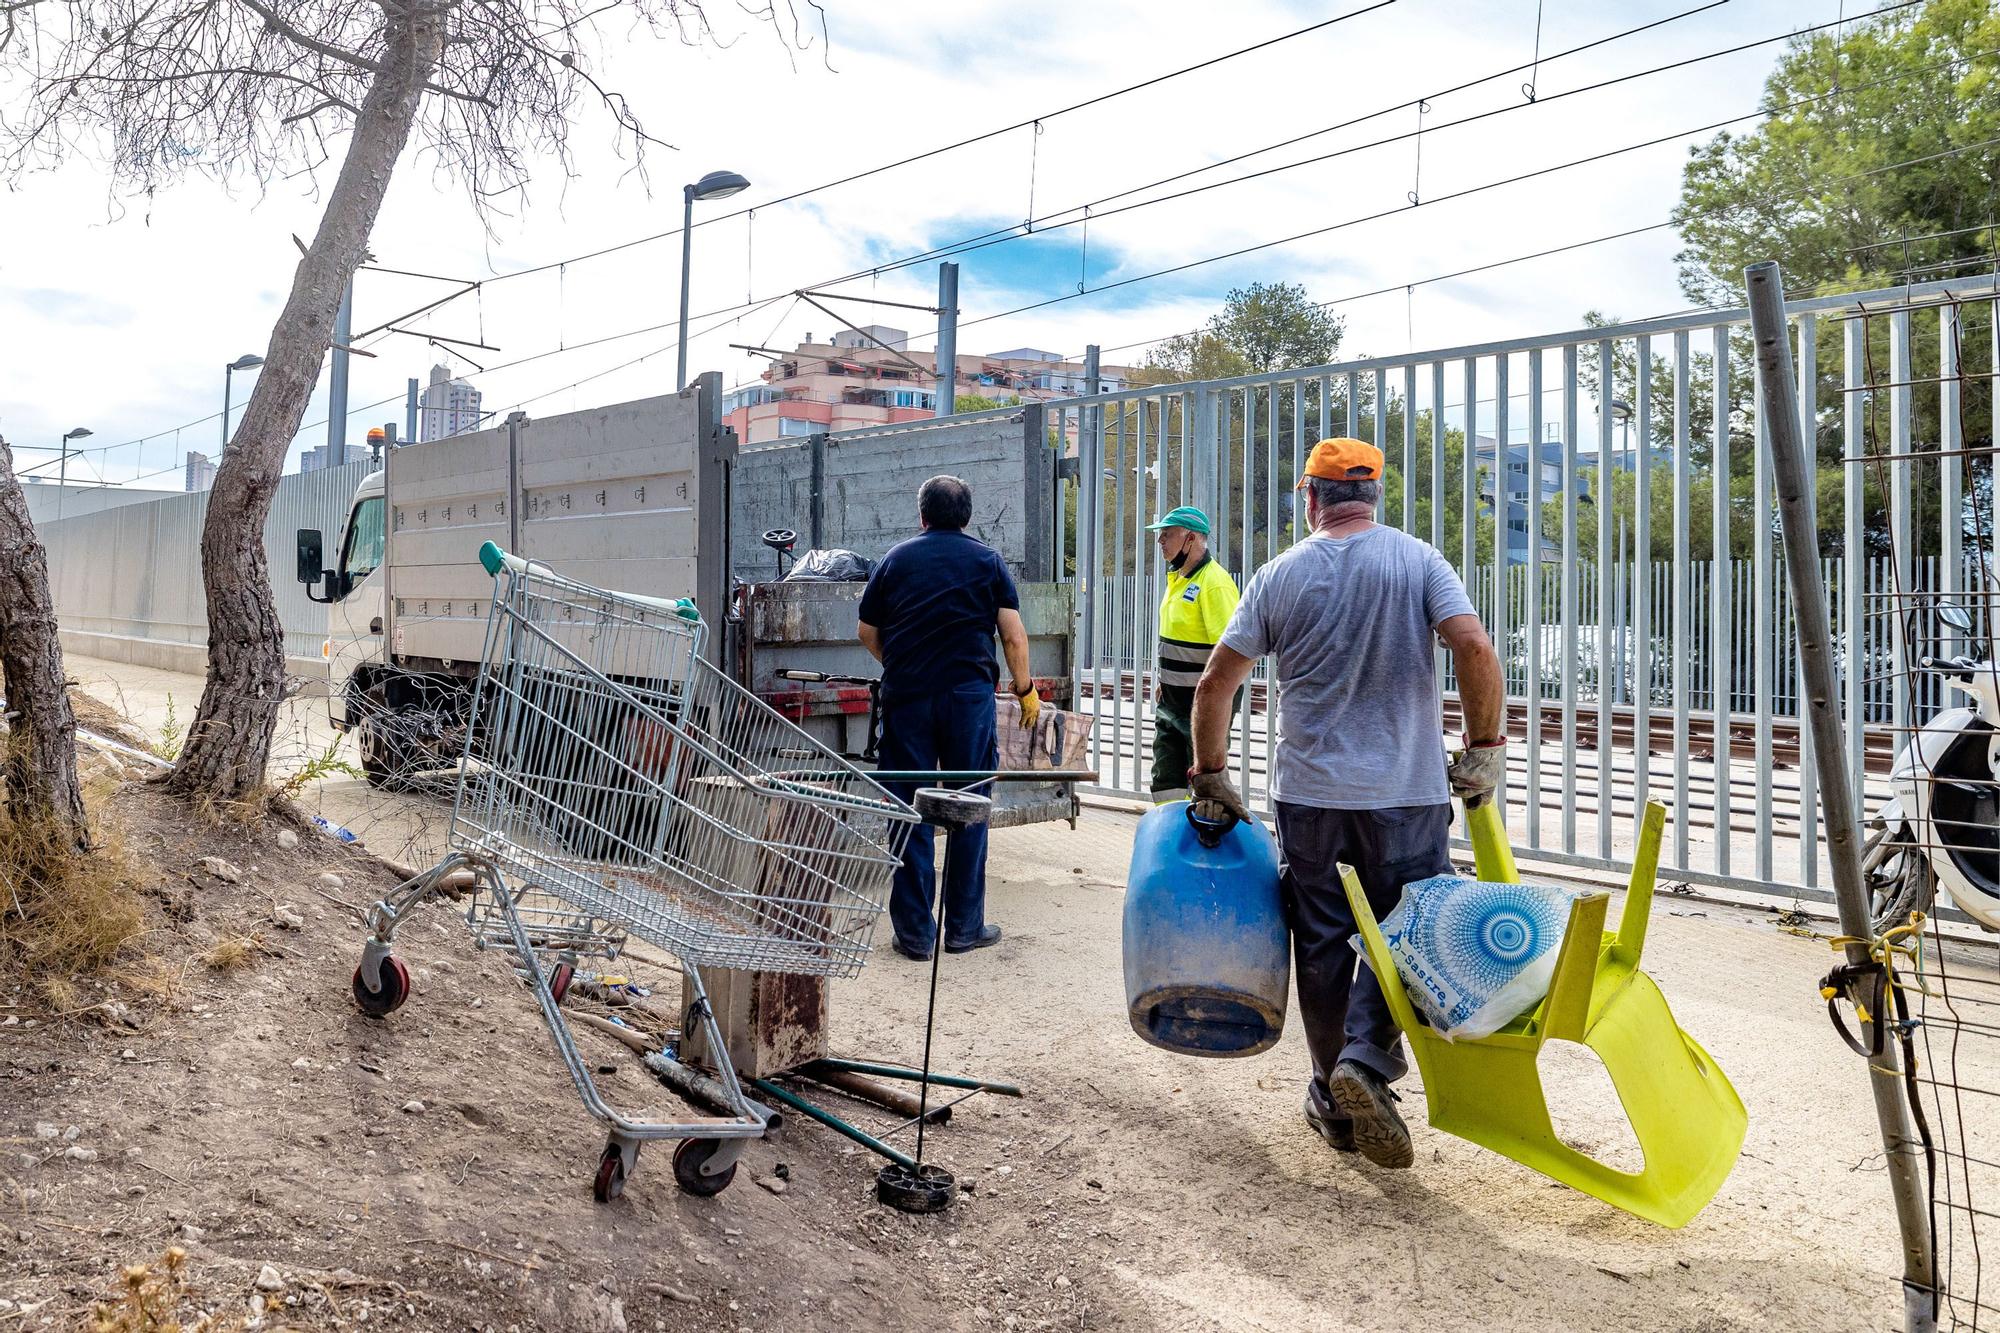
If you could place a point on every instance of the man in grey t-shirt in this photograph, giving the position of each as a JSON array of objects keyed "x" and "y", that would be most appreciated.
[{"x": 1360, "y": 774}]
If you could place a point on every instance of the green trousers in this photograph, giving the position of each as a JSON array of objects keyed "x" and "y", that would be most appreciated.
[{"x": 1173, "y": 740}]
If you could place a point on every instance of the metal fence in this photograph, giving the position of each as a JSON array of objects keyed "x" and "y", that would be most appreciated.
[
  {"x": 1634, "y": 423},
  {"x": 1642, "y": 656}
]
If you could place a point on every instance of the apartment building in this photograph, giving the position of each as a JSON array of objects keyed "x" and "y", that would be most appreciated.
[{"x": 871, "y": 378}]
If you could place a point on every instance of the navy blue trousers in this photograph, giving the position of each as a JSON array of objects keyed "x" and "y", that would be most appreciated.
[{"x": 951, "y": 729}]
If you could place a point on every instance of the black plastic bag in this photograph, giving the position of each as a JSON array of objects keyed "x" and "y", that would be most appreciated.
[{"x": 831, "y": 566}]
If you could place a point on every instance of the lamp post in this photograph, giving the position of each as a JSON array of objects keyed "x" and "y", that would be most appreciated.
[
  {"x": 245, "y": 362},
  {"x": 1621, "y": 412},
  {"x": 62, "y": 468},
  {"x": 715, "y": 185}
]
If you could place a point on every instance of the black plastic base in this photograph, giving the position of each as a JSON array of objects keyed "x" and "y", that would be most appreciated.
[{"x": 927, "y": 1189}]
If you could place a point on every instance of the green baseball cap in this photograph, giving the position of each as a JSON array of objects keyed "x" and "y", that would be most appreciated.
[{"x": 1187, "y": 516}]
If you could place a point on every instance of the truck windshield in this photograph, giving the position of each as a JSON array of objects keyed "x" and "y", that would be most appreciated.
[{"x": 364, "y": 540}]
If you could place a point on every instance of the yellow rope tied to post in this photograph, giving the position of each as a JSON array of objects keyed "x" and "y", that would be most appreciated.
[{"x": 1872, "y": 1006}]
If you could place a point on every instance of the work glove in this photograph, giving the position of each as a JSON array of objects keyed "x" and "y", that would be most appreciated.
[
  {"x": 1031, "y": 708},
  {"x": 1477, "y": 770},
  {"x": 1216, "y": 787}
]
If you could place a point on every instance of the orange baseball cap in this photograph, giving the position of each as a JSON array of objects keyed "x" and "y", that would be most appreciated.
[{"x": 1343, "y": 459}]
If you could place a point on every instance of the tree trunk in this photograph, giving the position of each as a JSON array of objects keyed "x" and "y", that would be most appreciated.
[
  {"x": 229, "y": 742},
  {"x": 38, "y": 766}
]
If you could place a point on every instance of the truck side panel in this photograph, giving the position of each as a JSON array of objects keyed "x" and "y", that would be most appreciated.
[{"x": 606, "y": 495}]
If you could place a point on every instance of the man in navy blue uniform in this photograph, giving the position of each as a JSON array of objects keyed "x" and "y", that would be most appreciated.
[{"x": 928, "y": 615}]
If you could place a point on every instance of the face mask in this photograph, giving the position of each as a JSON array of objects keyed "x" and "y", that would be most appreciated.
[{"x": 1180, "y": 559}]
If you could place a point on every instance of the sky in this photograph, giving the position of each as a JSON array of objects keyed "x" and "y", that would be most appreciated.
[{"x": 119, "y": 314}]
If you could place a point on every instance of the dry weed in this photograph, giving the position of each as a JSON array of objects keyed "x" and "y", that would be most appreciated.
[
  {"x": 66, "y": 913},
  {"x": 232, "y": 952},
  {"x": 150, "y": 1299}
]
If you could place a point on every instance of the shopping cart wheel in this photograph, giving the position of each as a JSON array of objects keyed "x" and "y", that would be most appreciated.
[
  {"x": 690, "y": 1157},
  {"x": 610, "y": 1182},
  {"x": 559, "y": 978},
  {"x": 395, "y": 989}
]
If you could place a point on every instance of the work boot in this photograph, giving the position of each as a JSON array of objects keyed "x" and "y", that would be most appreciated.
[
  {"x": 1379, "y": 1132},
  {"x": 914, "y": 955},
  {"x": 986, "y": 938},
  {"x": 1338, "y": 1133}
]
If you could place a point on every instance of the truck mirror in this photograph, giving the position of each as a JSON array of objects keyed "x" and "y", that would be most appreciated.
[{"x": 311, "y": 556}]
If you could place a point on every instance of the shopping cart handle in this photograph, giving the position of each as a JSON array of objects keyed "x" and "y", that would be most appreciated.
[{"x": 495, "y": 560}]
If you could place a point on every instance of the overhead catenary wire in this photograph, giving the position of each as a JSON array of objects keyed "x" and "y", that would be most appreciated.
[
  {"x": 1087, "y": 291},
  {"x": 1061, "y": 218},
  {"x": 982, "y": 137},
  {"x": 372, "y": 335},
  {"x": 733, "y": 310},
  {"x": 1578, "y": 245},
  {"x": 1460, "y": 194}
]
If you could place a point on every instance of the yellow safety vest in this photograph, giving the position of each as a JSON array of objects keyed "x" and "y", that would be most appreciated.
[{"x": 1193, "y": 614}]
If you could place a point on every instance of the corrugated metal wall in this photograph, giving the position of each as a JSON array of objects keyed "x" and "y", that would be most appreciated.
[{"x": 135, "y": 570}]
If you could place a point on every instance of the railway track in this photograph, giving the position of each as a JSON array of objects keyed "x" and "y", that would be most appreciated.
[{"x": 1878, "y": 743}]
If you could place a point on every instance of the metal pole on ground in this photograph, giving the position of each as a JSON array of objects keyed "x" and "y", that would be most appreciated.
[{"x": 1792, "y": 469}]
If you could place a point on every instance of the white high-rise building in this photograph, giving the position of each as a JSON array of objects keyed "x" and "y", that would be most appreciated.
[
  {"x": 450, "y": 407},
  {"x": 200, "y": 472}
]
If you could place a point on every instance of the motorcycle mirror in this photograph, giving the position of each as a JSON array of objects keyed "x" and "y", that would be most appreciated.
[{"x": 1955, "y": 616}]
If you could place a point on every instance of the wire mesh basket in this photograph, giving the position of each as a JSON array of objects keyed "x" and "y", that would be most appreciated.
[{"x": 624, "y": 776}]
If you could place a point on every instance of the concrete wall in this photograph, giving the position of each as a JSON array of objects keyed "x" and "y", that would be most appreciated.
[
  {"x": 127, "y": 581},
  {"x": 46, "y": 498},
  {"x": 868, "y": 492}
]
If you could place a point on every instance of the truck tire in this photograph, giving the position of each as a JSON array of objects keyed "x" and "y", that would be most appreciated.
[{"x": 385, "y": 766}]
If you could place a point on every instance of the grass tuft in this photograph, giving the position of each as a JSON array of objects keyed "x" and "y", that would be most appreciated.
[{"x": 63, "y": 913}]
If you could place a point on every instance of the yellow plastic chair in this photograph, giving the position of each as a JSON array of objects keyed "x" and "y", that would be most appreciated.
[{"x": 1686, "y": 1117}]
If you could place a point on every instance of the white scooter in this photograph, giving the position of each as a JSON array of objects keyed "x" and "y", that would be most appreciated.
[{"x": 1942, "y": 826}]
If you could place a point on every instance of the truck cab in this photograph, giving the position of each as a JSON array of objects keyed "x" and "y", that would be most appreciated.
[{"x": 382, "y": 705}]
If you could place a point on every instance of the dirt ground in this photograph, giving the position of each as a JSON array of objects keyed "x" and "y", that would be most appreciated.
[{"x": 256, "y": 1118}]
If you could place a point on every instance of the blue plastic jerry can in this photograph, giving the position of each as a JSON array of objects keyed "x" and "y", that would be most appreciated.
[{"x": 1207, "y": 962}]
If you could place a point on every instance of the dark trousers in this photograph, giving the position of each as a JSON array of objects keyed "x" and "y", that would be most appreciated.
[
  {"x": 952, "y": 729},
  {"x": 1173, "y": 740},
  {"x": 1345, "y": 1015}
]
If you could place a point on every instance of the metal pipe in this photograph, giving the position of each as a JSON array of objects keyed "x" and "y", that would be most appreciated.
[
  {"x": 946, "y": 360},
  {"x": 872, "y": 1091},
  {"x": 1792, "y": 468},
  {"x": 702, "y": 1090},
  {"x": 687, "y": 263},
  {"x": 336, "y": 383},
  {"x": 832, "y": 1122},
  {"x": 1683, "y": 590},
  {"x": 879, "y": 1070}
]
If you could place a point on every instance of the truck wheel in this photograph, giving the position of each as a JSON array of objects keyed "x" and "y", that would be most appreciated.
[{"x": 385, "y": 767}]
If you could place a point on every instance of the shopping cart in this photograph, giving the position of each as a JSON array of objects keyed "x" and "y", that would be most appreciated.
[{"x": 615, "y": 784}]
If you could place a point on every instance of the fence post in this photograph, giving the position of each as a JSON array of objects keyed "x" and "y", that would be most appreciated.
[{"x": 1792, "y": 470}]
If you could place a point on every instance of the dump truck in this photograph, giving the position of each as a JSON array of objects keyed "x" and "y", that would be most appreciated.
[{"x": 649, "y": 497}]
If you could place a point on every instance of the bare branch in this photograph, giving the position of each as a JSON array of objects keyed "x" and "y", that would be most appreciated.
[{"x": 297, "y": 38}]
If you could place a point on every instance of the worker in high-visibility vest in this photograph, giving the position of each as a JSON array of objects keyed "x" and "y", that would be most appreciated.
[{"x": 1199, "y": 599}]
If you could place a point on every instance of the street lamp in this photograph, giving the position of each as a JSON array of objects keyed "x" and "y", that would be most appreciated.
[
  {"x": 715, "y": 185},
  {"x": 62, "y": 468},
  {"x": 247, "y": 361}
]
